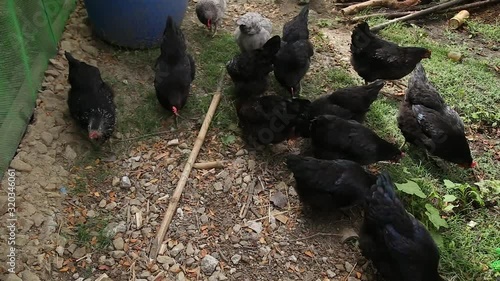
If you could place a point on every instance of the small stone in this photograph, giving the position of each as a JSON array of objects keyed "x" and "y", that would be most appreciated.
[
  {"x": 47, "y": 138},
  {"x": 255, "y": 226},
  {"x": 125, "y": 182},
  {"x": 189, "y": 249},
  {"x": 236, "y": 228},
  {"x": 330, "y": 273},
  {"x": 247, "y": 179},
  {"x": 79, "y": 252},
  {"x": 292, "y": 258},
  {"x": 91, "y": 50},
  {"x": 251, "y": 165},
  {"x": 279, "y": 199},
  {"x": 348, "y": 267},
  {"x": 190, "y": 261},
  {"x": 183, "y": 145},
  {"x": 218, "y": 186},
  {"x": 118, "y": 254},
  {"x": 175, "y": 268},
  {"x": 119, "y": 243},
  {"x": 66, "y": 46},
  {"x": 57, "y": 64},
  {"x": 72, "y": 248},
  {"x": 52, "y": 72},
  {"x": 12, "y": 277},
  {"x": 204, "y": 218},
  {"x": 208, "y": 264},
  {"x": 29, "y": 276},
  {"x": 236, "y": 259},
  {"x": 181, "y": 277},
  {"x": 115, "y": 181},
  {"x": 111, "y": 206},
  {"x": 240, "y": 152},
  {"x": 91, "y": 214},
  {"x": 19, "y": 165},
  {"x": 69, "y": 153},
  {"x": 173, "y": 142},
  {"x": 165, "y": 260},
  {"x": 177, "y": 249},
  {"x": 102, "y": 204},
  {"x": 60, "y": 250}
]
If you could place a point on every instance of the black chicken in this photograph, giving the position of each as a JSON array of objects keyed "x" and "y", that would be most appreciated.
[
  {"x": 329, "y": 184},
  {"x": 297, "y": 28},
  {"x": 250, "y": 69},
  {"x": 269, "y": 119},
  {"x": 294, "y": 58},
  {"x": 374, "y": 58},
  {"x": 399, "y": 245},
  {"x": 426, "y": 121},
  {"x": 335, "y": 138},
  {"x": 350, "y": 103},
  {"x": 292, "y": 63},
  {"x": 90, "y": 100},
  {"x": 174, "y": 69}
]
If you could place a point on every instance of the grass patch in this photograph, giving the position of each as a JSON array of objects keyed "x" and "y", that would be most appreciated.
[
  {"x": 210, "y": 64},
  {"x": 487, "y": 31},
  {"x": 472, "y": 88},
  {"x": 92, "y": 233}
]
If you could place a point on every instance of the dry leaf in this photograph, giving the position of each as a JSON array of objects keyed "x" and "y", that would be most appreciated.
[
  {"x": 309, "y": 253},
  {"x": 64, "y": 269}
]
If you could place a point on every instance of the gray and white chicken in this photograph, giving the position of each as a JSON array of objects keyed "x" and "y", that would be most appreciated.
[
  {"x": 253, "y": 31},
  {"x": 210, "y": 13}
]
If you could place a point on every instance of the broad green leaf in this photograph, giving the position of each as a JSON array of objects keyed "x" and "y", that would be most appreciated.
[
  {"x": 434, "y": 217},
  {"x": 449, "y": 208},
  {"x": 229, "y": 139},
  {"x": 449, "y": 198},
  {"x": 412, "y": 188},
  {"x": 449, "y": 184}
]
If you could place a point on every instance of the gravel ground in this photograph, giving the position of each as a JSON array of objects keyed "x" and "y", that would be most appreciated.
[{"x": 242, "y": 222}]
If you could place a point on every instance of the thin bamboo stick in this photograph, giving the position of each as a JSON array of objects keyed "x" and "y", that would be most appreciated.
[{"x": 174, "y": 200}]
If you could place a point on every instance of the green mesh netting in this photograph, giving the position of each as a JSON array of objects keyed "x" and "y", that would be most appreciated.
[{"x": 29, "y": 32}]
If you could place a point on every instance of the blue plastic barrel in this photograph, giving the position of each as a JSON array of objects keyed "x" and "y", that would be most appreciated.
[{"x": 133, "y": 23}]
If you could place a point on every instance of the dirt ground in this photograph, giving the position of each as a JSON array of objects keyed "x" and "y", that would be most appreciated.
[{"x": 243, "y": 222}]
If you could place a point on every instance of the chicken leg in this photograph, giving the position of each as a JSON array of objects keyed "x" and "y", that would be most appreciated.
[{"x": 215, "y": 31}]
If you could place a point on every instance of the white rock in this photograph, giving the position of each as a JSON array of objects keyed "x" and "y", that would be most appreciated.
[
  {"x": 125, "y": 182},
  {"x": 208, "y": 264},
  {"x": 236, "y": 259}
]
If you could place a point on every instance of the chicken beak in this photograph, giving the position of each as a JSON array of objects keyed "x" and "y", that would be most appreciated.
[{"x": 292, "y": 91}]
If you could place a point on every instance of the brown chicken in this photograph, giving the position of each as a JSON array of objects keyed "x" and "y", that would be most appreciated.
[
  {"x": 426, "y": 121},
  {"x": 375, "y": 58}
]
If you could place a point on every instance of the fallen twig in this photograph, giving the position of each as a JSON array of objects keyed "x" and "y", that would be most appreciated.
[
  {"x": 377, "y": 3},
  {"x": 392, "y": 15},
  {"x": 349, "y": 275},
  {"x": 417, "y": 14},
  {"x": 155, "y": 246},
  {"x": 209, "y": 165},
  {"x": 314, "y": 235},
  {"x": 244, "y": 208}
]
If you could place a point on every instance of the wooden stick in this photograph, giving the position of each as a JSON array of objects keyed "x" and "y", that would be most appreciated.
[
  {"x": 473, "y": 5},
  {"x": 155, "y": 246},
  {"x": 375, "y": 3},
  {"x": 391, "y": 15},
  {"x": 418, "y": 14},
  {"x": 386, "y": 15},
  {"x": 209, "y": 165}
]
